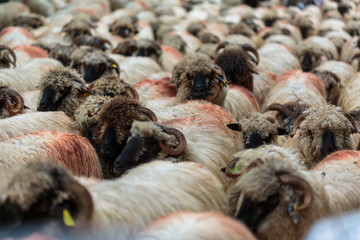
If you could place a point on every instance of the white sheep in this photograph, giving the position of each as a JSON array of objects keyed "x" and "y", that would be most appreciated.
[{"x": 117, "y": 209}]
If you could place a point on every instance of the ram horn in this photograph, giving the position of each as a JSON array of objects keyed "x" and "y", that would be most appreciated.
[
  {"x": 300, "y": 184},
  {"x": 297, "y": 123},
  {"x": 150, "y": 114},
  {"x": 180, "y": 137},
  {"x": 353, "y": 122},
  {"x": 12, "y": 53},
  {"x": 247, "y": 47},
  {"x": 18, "y": 107},
  {"x": 278, "y": 107}
]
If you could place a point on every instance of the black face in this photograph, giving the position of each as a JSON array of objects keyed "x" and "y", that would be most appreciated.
[
  {"x": 328, "y": 140},
  {"x": 199, "y": 86},
  {"x": 253, "y": 213},
  {"x": 93, "y": 72},
  {"x": 110, "y": 148},
  {"x": 256, "y": 140},
  {"x": 304, "y": 32},
  {"x": 306, "y": 63},
  {"x": 50, "y": 101},
  {"x": 137, "y": 151}
]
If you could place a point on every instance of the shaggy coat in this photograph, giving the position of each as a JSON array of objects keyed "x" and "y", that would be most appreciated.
[
  {"x": 117, "y": 209},
  {"x": 349, "y": 99},
  {"x": 191, "y": 226},
  {"x": 36, "y": 122},
  {"x": 62, "y": 89},
  {"x": 70, "y": 150},
  {"x": 320, "y": 131},
  {"x": 271, "y": 187}
]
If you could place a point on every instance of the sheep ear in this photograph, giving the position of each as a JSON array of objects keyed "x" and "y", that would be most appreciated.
[
  {"x": 222, "y": 80},
  {"x": 355, "y": 128},
  {"x": 281, "y": 131},
  {"x": 76, "y": 211},
  {"x": 235, "y": 126},
  {"x": 84, "y": 92}
]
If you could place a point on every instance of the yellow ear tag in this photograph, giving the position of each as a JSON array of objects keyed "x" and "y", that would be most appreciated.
[
  {"x": 221, "y": 84},
  {"x": 86, "y": 94},
  {"x": 114, "y": 66},
  {"x": 67, "y": 219}
]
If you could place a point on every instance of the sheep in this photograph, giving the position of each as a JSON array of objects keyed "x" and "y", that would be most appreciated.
[
  {"x": 69, "y": 149},
  {"x": 296, "y": 87},
  {"x": 117, "y": 209},
  {"x": 9, "y": 11},
  {"x": 113, "y": 129},
  {"x": 328, "y": 25},
  {"x": 338, "y": 38},
  {"x": 96, "y": 42},
  {"x": 35, "y": 122},
  {"x": 351, "y": 52},
  {"x": 28, "y": 20},
  {"x": 11, "y": 102},
  {"x": 188, "y": 225},
  {"x": 287, "y": 199},
  {"x": 16, "y": 36},
  {"x": 323, "y": 130},
  {"x": 27, "y": 77},
  {"x": 7, "y": 57},
  {"x": 62, "y": 53},
  {"x": 180, "y": 138},
  {"x": 125, "y": 27},
  {"x": 62, "y": 89},
  {"x": 44, "y": 7},
  {"x": 80, "y": 25},
  {"x": 276, "y": 59},
  {"x": 197, "y": 77},
  {"x": 314, "y": 51},
  {"x": 150, "y": 89},
  {"x": 308, "y": 24},
  {"x": 258, "y": 129},
  {"x": 95, "y": 65},
  {"x": 281, "y": 39}
]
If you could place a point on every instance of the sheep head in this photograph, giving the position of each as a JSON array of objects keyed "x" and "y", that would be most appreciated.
[
  {"x": 81, "y": 25},
  {"x": 7, "y": 57},
  {"x": 148, "y": 48},
  {"x": 195, "y": 27},
  {"x": 95, "y": 65},
  {"x": 271, "y": 196},
  {"x": 62, "y": 53},
  {"x": 197, "y": 77},
  {"x": 11, "y": 102},
  {"x": 323, "y": 130},
  {"x": 127, "y": 47},
  {"x": 113, "y": 128},
  {"x": 43, "y": 196},
  {"x": 125, "y": 27},
  {"x": 208, "y": 37},
  {"x": 237, "y": 64},
  {"x": 62, "y": 89},
  {"x": 286, "y": 113},
  {"x": 307, "y": 24},
  {"x": 111, "y": 86},
  {"x": 149, "y": 141},
  {"x": 258, "y": 129},
  {"x": 96, "y": 42},
  {"x": 331, "y": 83},
  {"x": 78, "y": 54},
  {"x": 29, "y": 20},
  {"x": 175, "y": 41},
  {"x": 310, "y": 55}
]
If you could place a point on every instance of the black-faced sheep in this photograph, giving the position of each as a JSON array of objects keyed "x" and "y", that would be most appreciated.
[
  {"x": 278, "y": 200},
  {"x": 28, "y": 20},
  {"x": 314, "y": 51},
  {"x": 113, "y": 129},
  {"x": 62, "y": 89},
  {"x": 62, "y": 53},
  {"x": 125, "y": 27},
  {"x": 80, "y": 25},
  {"x": 201, "y": 226},
  {"x": 110, "y": 209},
  {"x": 96, "y": 42},
  {"x": 7, "y": 57},
  {"x": 321, "y": 130}
]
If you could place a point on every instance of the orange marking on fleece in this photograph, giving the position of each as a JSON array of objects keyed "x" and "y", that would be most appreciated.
[
  {"x": 33, "y": 51},
  {"x": 7, "y": 30},
  {"x": 340, "y": 157},
  {"x": 315, "y": 81},
  {"x": 172, "y": 51},
  {"x": 216, "y": 111},
  {"x": 162, "y": 86}
]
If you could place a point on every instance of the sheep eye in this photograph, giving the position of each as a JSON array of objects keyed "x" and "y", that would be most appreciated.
[{"x": 188, "y": 76}]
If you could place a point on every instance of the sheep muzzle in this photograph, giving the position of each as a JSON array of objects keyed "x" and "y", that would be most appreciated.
[
  {"x": 199, "y": 87},
  {"x": 328, "y": 143},
  {"x": 47, "y": 100}
]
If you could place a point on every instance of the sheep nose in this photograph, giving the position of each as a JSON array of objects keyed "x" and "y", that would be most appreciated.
[
  {"x": 254, "y": 140},
  {"x": 199, "y": 87},
  {"x": 43, "y": 107}
]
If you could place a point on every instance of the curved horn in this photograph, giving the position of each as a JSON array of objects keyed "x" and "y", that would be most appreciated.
[
  {"x": 353, "y": 123},
  {"x": 134, "y": 92},
  {"x": 221, "y": 46},
  {"x": 18, "y": 107},
  {"x": 355, "y": 56},
  {"x": 247, "y": 47},
  {"x": 148, "y": 113},
  {"x": 89, "y": 113},
  {"x": 83, "y": 200},
  {"x": 300, "y": 184},
  {"x": 278, "y": 107},
  {"x": 103, "y": 40},
  {"x": 12, "y": 53},
  {"x": 180, "y": 137},
  {"x": 297, "y": 123}
]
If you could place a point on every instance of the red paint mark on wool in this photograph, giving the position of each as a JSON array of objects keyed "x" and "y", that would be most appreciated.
[
  {"x": 33, "y": 51},
  {"x": 340, "y": 157},
  {"x": 23, "y": 31},
  {"x": 215, "y": 111},
  {"x": 171, "y": 51},
  {"x": 249, "y": 95},
  {"x": 163, "y": 86},
  {"x": 315, "y": 81}
]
